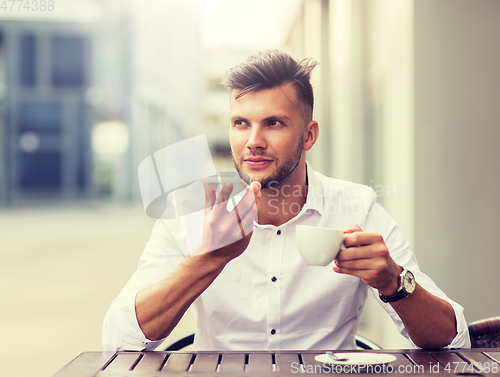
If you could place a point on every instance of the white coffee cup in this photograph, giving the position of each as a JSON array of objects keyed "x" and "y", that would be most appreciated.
[{"x": 319, "y": 246}]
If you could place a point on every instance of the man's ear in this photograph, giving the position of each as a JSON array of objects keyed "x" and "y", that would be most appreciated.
[{"x": 312, "y": 133}]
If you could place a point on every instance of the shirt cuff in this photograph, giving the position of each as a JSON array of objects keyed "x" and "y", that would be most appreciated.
[
  {"x": 462, "y": 339},
  {"x": 128, "y": 335}
]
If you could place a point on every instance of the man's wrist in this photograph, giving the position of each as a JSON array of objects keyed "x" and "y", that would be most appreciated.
[
  {"x": 393, "y": 285},
  {"x": 406, "y": 287},
  {"x": 208, "y": 262}
]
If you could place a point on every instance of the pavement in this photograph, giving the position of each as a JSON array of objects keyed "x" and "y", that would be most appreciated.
[{"x": 60, "y": 268}]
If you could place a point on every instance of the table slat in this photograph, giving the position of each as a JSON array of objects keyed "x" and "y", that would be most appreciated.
[
  {"x": 205, "y": 362},
  {"x": 447, "y": 357},
  {"x": 123, "y": 362},
  {"x": 151, "y": 361},
  {"x": 86, "y": 364},
  {"x": 494, "y": 355},
  {"x": 232, "y": 363},
  {"x": 286, "y": 362},
  {"x": 178, "y": 362},
  {"x": 260, "y": 362},
  {"x": 453, "y": 363},
  {"x": 482, "y": 363},
  {"x": 425, "y": 362},
  {"x": 401, "y": 360}
]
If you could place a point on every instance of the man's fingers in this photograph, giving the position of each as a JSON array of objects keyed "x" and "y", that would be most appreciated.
[
  {"x": 225, "y": 192},
  {"x": 256, "y": 186},
  {"x": 248, "y": 202},
  {"x": 247, "y": 219},
  {"x": 246, "y": 210},
  {"x": 359, "y": 238},
  {"x": 360, "y": 264},
  {"x": 363, "y": 252},
  {"x": 353, "y": 228},
  {"x": 209, "y": 195}
]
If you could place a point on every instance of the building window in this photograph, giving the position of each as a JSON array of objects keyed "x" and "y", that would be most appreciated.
[
  {"x": 40, "y": 170},
  {"x": 27, "y": 60},
  {"x": 68, "y": 61},
  {"x": 40, "y": 117}
]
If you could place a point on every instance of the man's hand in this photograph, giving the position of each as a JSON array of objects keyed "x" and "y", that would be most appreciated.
[
  {"x": 429, "y": 320},
  {"x": 367, "y": 257},
  {"x": 160, "y": 306},
  {"x": 226, "y": 233}
]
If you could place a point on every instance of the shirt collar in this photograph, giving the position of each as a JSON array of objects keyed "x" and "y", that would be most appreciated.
[{"x": 315, "y": 197}]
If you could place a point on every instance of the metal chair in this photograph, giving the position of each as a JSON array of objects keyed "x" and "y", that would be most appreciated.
[
  {"x": 361, "y": 342},
  {"x": 181, "y": 343},
  {"x": 366, "y": 344},
  {"x": 485, "y": 333}
]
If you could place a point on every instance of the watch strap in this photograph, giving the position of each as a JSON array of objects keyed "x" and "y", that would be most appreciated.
[
  {"x": 395, "y": 297},
  {"x": 400, "y": 293}
]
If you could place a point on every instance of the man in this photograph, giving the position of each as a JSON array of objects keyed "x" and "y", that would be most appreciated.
[{"x": 257, "y": 293}]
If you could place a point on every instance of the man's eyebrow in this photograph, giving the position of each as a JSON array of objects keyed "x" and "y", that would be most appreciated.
[
  {"x": 266, "y": 119},
  {"x": 237, "y": 117},
  {"x": 277, "y": 116}
]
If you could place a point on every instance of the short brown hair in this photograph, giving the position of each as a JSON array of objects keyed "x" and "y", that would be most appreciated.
[{"x": 269, "y": 69}]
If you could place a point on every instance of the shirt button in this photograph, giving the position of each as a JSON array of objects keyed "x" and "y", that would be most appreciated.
[
  {"x": 273, "y": 279},
  {"x": 278, "y": 232},
  {"x": 273, "y": 331}
]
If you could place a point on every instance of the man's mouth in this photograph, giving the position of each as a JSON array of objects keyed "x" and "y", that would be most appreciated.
[{"x": 257, "y": 162}]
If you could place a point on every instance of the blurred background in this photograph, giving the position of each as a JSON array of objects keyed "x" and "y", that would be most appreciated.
[{"x": 406, "y": 96}]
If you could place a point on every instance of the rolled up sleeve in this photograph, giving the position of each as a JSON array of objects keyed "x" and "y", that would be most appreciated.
[
  {"x": 164, "y": 251},
  {"x": 401, "y": 253}
]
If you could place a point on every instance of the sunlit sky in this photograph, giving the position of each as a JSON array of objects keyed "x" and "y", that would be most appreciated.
[
  {"x": 251, "y": 24},
  {"x": 233, "y": 23}
]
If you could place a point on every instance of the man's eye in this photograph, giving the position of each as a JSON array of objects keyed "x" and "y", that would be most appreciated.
[
  {"x": 275, "y": 122},
  {"x": 240, "y": 122}
]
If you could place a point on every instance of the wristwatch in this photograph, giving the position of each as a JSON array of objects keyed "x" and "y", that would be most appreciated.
[{"x": 406, "y": 287}]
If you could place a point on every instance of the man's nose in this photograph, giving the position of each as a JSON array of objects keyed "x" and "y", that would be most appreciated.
[{"x": 257, "y": 139}]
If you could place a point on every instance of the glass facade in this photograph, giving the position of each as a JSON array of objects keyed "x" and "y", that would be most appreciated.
[
  {"x": 40, "y": 170},
  {"x": 44, "y": 119},
  {"x": 27, "y": 60},
  {"x": 68, "y": 61},
  {"x": 40, "y": 117}
]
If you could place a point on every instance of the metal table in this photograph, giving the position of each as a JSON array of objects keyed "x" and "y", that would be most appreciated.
[{"x": 475, "y": 362}]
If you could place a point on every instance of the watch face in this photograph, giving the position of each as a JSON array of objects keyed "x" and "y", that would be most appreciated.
[{"x": 409, "y": 282}]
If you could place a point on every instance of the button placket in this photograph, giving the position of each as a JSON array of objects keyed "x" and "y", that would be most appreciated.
[{"x": 274, "y": 287}]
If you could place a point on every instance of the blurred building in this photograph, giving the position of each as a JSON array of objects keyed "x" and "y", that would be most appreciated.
[
  {"x": 55, "y": 87},
  {"x": 89, "y": 91},
  {"x": 45, "y": 119}
]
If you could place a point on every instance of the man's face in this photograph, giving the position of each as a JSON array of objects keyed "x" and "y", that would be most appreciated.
[{"x": 267, "y": 133}]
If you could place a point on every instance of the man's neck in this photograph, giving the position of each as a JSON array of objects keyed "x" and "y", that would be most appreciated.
[{"x": 282, "y": 202}]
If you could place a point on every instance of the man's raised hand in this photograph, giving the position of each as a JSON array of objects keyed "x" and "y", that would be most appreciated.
[{"x": 227, "y": 233}]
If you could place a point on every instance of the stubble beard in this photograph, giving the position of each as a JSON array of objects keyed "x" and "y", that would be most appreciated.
[{"x": 281, "y": 173}]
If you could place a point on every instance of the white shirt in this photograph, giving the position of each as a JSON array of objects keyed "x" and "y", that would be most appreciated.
[{"x": 268, "y": 298}]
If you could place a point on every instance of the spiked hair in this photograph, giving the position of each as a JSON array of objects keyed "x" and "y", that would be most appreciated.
[{"x": 269, "y": 69}]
